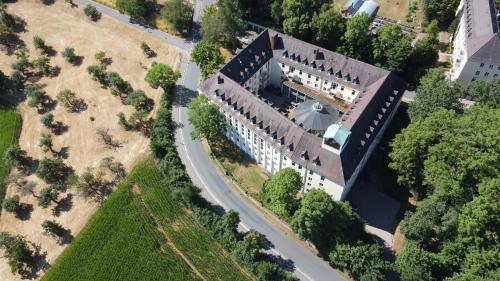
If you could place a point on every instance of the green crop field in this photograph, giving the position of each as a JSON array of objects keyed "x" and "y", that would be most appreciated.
[
  {"x": 120, "y": 242},
  {"x": 9, "y": 128},
  {"x": 208, "y": 256}
]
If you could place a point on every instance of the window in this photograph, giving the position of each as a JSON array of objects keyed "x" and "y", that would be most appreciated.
[
  {"x": 300, "y": 72},
  {"x": 309, "y": 178},
  {"x": 300, "y": 167},
  {"x": 308, "y": 75},
  {"x": 495, "y": 75},
  {"x": 353, "y": 93},
  {"x": 293, "y": 163},
  {"x": 317, "y": 78},
  {"x": 486, "y": 74},
  {"x": 248, "y": 133},
  {"x": 284, "y": 159},
  {"x": 282, "y": 65},
  {"x": 473, "y": 79},
  {"x": 481, "y": 65},
  {"x": 322, "y": 178},
  {"x": 342, "y": 88},
  {"x": 311, "y": 172},
  {"x": 478, "y": 72},
  {"x": 491, "y": 66},
  {"x": 320, "y": 184},
  {"x": 308, "y": 184}
]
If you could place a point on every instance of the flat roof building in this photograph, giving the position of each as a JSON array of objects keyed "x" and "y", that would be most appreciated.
[{"x": 289, "y": 103}]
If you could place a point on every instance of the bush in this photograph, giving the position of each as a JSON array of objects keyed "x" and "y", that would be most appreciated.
[
  {"x": 52, "y": 228},
  {"x": 39, "y": 43},
  {"x": 11, "y": 204},
  {"x": 97, "y": 72},
  {"x": 17, "y": 251},
  {"x": 52, "y": 170},
  {"x": 91, "y": 12},
  {"x": 69, "y": 54}
]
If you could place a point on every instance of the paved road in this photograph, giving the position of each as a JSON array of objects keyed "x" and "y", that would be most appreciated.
[{"x": 306, "y": 265}]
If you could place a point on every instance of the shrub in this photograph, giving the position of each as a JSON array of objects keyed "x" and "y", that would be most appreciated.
[
  {"x": 16, "y": 250},
  {"x": 11, "y": 204},
  {"x": 69, "y": 54},
  {"x": 92, "y": 12}
]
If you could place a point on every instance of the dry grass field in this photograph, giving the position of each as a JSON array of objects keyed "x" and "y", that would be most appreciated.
[
  {"x": 394, "y": 9},
  {"x": 61, "y": 26}
]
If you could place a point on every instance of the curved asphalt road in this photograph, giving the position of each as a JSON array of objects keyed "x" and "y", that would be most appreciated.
[{"x": 306, "y": 265}]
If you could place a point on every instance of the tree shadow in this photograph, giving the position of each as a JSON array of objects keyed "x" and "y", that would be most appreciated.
[
  {"x": 48, "y": 2},
  {"x": 24, "y": 211},
  {"x": 286, "y": 264},
  {"x": 183, "y": 96},
  {"x": 64, "y": 205},
  {"x": 63, "y": 152},
  {"x": 49, "y": 51},
  {"x": 28, "y": 165},
  {"x": 76, "y": 60},
  {"x": 37, "y": 264},
  {"x": 66, "y": 237},
  {"x": 54, "y": 71},
  {"x": 60, "y": 128},
  {"x": 49, "y": 105},
  {"x": 107, "y": 60}
]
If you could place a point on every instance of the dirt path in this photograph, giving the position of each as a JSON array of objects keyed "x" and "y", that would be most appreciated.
[{"x": 137, "y": 191}]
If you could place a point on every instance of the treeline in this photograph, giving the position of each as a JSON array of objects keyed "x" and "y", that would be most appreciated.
[
  {"x": 448, "y": 157},
  {"x": 248, "y": 247}
]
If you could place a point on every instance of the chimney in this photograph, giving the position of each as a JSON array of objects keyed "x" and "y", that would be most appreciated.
[
  {"x": 274, "y": 41},
  {"x": 220, "y": 80}
]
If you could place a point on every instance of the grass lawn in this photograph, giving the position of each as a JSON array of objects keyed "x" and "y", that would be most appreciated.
[
  {"x": 10, "y": 123},
  {"x": 245, "y": 171},
  {"x": 190, "y": 238},
  {"x": 120, "y": 242}
]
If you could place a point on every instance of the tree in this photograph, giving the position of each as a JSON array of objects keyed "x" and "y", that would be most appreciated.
[
  {"x": 46, "y": 143},
  {"x": 17, "y": 251},
  {"x": 91, "y": 184},
  {"x": 208, "y": 56},
  {"x": 137, "y": 9},
  {"x": 36, "y": 95},
  {"x": 435, "y": 92},
  {"x": 328, "y": 26},
  {"x": 298, "y": 16},
  {"x": 325, "y": 222},
  {"x": 22, "y": 64},
  {"x": 277, "y": 12},
  {"x": 11, "y": 204},
  {"x": 69, "y": 100},
  {"x": 91, "y": 12},
  {"x": 362, "y": 261},
  {"x": 47, "y": 120},
  {"x": 280, "y": 191},
  {"x": 161, "y": 75},
  {"x": 97, "y": 72},
  {"x": 116, "y": 83},
  {"x": 207, "y": 120},
  {"x": 425, "y": 54},
  {"x": 442, "y": 10},
  {"x": 392, "y": 47},
  {"x": 147, "y": 50},
  {"x": 17, "y": 78},
  {"x": 48, "y": 195},
  {"x": 69, "y": 54},
  {"x": 178, "y": 12},
  {"x": 356, "y": 39},
  {"x": 39, "y": 43},
  {"x": 252, "y": 243},
  {"x": 14, "y": 155},
  {"x": 486, "y": 92},
  {"x": 140, "y": 101},
  {"x": 222, "y": 22},
  {"x": 100, "y": 56},
  {"x": 52, "y": 228},
  {"x": 3, "y": 80},
  {"x": 415, "y": 264},
  {"x": 52, "y": 170},
  {"x": 42, "y": 64}
]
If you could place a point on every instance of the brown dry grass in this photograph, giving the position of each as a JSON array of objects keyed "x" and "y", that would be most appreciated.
[
  {"x": 61, "y": 26},
  {"x": 393, "y": 9}
]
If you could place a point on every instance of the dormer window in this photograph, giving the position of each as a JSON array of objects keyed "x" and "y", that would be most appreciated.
[
  {"x": 339, "y": 74},
  {"x": 316, "y": 161},
  {"x": 290, "y": 147},
  {"x": 304, "y": 155}
]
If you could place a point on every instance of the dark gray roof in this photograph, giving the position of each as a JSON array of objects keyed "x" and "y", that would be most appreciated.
[
  {"x": 380, "y": 91},
  {"x": 314, "y": 115},
  {"x": 482, "y": 37}
]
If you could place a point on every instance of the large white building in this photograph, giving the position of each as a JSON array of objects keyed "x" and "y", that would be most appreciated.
[
  {"x": 476, "y": 43},
  {"x": 292, "y": 104}
]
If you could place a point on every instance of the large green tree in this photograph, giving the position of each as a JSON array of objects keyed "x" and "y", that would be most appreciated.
[
  {"x": 162, "y": 75},
  {"x": 222, "y": 22},
  {"x": 442, "y": 10},
  {"x": 138, "y": 9},
  {"x": 178, "y": 12},
  {"x": 328, "y": 26},
  {"x": 208, "y": 121},
  {"x": 323, "y": 221},
  {"x": 52, "y": 170},
  {"x": 298, "y": 16},
  {"x": 280, "y": 192},
  {"x": 425, "y": 54},
  {"x": 208, "y": 56},
  {"x": 487, "y": 92},
  {"x": 357, "y": 40},
  {"x": 435, "y": 92},
  {"x": 392, "y": 47},
  {"x": 416, "y": 264}
]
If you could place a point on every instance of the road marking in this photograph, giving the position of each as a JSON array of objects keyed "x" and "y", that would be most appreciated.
[{"x": 217, "y": 199}]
